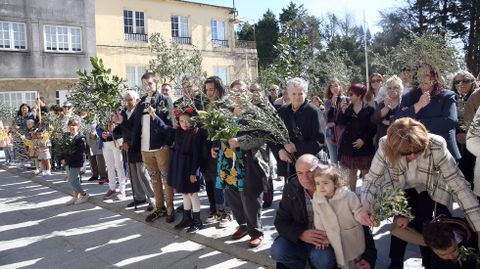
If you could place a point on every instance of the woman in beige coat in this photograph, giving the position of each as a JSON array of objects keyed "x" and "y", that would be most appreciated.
[
  {"x": 336, "y": 211},
  {"x": 473, "y": 145}
]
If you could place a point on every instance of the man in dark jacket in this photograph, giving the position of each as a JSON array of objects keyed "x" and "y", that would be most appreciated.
[
  {"x": 445, "y": 237},
  {"x": 155, "y": 146},
  {"x": 140, "y": 180},
  {"x": 298, "y": 240}
]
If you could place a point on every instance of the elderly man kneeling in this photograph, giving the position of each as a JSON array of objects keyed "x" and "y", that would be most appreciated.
[{"x": 298, "y": 241}]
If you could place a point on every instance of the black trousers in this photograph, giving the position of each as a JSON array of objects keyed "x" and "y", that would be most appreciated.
[
  {"x": 210, "y": 188},
  {"x": 467, "y": 163},
  {"x": 422, "y": 207}
]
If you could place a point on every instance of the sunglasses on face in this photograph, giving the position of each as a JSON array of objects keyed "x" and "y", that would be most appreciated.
[
  {"x": 466, "y": 81},
  {"x": 376, "y": 80},
  {"x": 411, "y": 152}
]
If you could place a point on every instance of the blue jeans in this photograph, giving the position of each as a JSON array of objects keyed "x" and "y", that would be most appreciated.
[
  {"x": 332, "y": 152},
  {"x": 74, "y": 179},
  {"x": 8, "y": 154},
  {"x": 295, "y": 255}
]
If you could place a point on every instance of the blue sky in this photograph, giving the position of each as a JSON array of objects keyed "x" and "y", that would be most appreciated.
[{"x": 253, "y": 10}]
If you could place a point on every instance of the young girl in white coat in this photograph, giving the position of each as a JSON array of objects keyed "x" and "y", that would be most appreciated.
[{"x": 336, "y": 211}]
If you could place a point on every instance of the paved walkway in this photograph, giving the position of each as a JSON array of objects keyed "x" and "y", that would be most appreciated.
[{"x": 38, "y": 231}]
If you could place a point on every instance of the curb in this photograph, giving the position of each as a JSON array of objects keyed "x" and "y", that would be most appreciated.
[{"x": 235, "y": 251}]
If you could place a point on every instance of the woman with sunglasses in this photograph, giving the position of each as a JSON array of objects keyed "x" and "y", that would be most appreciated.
[
  {"x": 356, "y": 146},
  {"x": 412, "y": 159},
  {"x": 463, "y": 85},
  {"x": 433, "y": 105},
  {"x": 376, "y": 92}
]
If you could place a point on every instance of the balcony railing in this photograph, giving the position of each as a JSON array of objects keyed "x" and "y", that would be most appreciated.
[
  {"x": 182, "y": 40},
  {"x": 244, "y": 44},
  {"x": 136, "y": 37},
  {"x": 217, "y": 43}
]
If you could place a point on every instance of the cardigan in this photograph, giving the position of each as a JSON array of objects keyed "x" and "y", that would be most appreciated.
[
  {"x": 473, "y": 145},
  {"x": 339, "y": 217}
]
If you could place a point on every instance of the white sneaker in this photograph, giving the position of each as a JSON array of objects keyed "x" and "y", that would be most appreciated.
[
  {"x": 71, "y": 201},
  {"x": 48, "y": 173},
  {"x": 82, "y": 199}
]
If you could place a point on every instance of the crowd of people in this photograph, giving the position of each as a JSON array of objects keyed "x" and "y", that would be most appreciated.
[{"x": 408, "y": 134}]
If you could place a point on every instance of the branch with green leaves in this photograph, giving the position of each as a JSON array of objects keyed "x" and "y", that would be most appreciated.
[
  {"x": 390, "y": 203},
  {"x": 98, "y": 93},
  {"x": 174, "y": 63},
  {"x": 258, "y": 115},
  {"x": 468, "y": 254},
  {"x": 219, "y": 123}
]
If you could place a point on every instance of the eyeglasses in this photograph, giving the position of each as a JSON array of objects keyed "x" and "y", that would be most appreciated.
[
  {"x": 466, "y": 81},
  {"x": 411, "y": 152},
  {"x": 376, "y": 80}
]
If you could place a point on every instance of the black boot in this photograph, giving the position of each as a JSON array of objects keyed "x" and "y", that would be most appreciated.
[
  {"x": 186, "y": 220},
  {"x": 196, "y": 223}
]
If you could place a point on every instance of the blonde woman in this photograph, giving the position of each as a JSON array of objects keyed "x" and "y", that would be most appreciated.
[
  {"x": 412, "y": 159},
  {"x": 384, "y": 115}
]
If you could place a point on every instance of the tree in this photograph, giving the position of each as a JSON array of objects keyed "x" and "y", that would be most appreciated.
[
  {"x": 394, "y": 27},
  {"x": 292, "y": 53},
  {"x": 332, "y": 64},
  {"x": 266, "y": 36},
  {"x": 247, "y": 32},
  {"x": 429, "y": 48},
  {"x": 469, "y": 17},
  {"x": 342, "y": 35},
  {"x": 458, "y": 18},
  {"x": 173, "y": 64},
  {"x": 295, "y": 22}
]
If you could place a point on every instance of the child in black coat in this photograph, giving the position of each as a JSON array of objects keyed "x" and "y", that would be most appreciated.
[{"x": 184, "y": 165}]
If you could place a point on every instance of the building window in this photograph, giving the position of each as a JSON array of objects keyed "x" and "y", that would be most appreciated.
[
  {"x": 15, "y": 99},
  {"x": 61, "y": 97},
  {"x": 180, "y": 33},
  {"x": 13, "y": 36},
  {"x": 219, "y": 39},
  {"x": 134, "y": 75},
  {"x": 63, "y": 38},
  {"x": 134, "y": 25},
  {"x": 221, "y": 72},
  {"x": 134, "y": 22}
]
